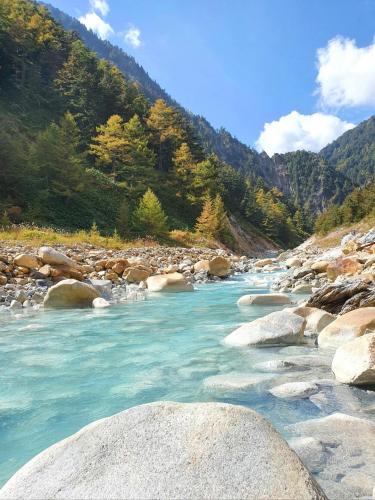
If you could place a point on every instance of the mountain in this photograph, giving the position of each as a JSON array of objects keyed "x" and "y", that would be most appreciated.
[
  {"x": 313, "y": 187},
  {"x": 353, "y": 154},
  {"x": 81, "y": 146}
]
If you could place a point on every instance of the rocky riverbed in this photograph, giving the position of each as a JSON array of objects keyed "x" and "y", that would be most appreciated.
[{"x": 319, "y": 323}]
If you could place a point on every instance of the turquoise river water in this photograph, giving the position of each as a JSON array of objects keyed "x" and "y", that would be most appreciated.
[{"x": 63, "y": 369}]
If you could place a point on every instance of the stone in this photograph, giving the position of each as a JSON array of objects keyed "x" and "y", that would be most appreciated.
[
  {"x": 117, "y": 265},
  {"x": 345, "y": 265},
  {"x": 320, "y": 266},
  {"x": 234, "y": 383},
  {"x": 135, "y": 274},
  {"x": 15, "y": 304},
  {"x": 302, "y": 288},
  {"x": 316, "y": 319},
  {"x": 29, "y": 261},
  {"x": 350, "y": 445},
  {"x": 294, "y": 390},
  {"x": 173, "y": 282},
  {"x": 301, "y": 272},
  {"x": 293, "y": 262},
  {"x": 169, "y": 450},
  {"x": 202, "y": 265},
  {"x": 70, "y": 293},
  {"x": 51, "y": 256},
  {"x": 3, "y": 280},
  {"x": 45, "y": 270},
  {"x": 219, "y": 266},
  {"x": 347, "y": 327},
  {"x": 270, "y": 299},
  {"x": 263, "y": 262},
  {"x": 277, "y": 328},
  {"x": 311, "y": 451},
  {"x": 100, "y": 303},
  {"x": 104, "y": 287},
  {"x": 274, "y": 365},
  {"x": 354, "y": 362}
]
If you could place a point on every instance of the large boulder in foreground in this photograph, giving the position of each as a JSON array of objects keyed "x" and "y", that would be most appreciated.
[
  {"x": 70, "y": 293},
  {"x": 172, "y": 282},
  {"x": 354, "y": 362},
  {"x": 51, "y": 256},
  {"x": 168, "y": 450},
  {"x": 277, "y": 328},
  {"x": 347, "y": 327},
  {"x": 270, "y": 299}
]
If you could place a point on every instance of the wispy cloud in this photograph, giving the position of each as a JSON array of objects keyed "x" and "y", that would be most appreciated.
[
  {"x": 346, "y": 74},
  {"x": 133, "y": 37},
  {"x": 100, "y": 6},
  {"x": 295, "y": 131},
  {"x": 95, "y": 23}
]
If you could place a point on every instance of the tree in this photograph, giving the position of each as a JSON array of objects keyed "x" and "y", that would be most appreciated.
[
  {"x": 149, "y": 217},
  {"x": 123, "y": 148},
  {"x": 184, "y": 165},
  {"x": 207, "y": 223},
  {"x": 166, "y": 125}
]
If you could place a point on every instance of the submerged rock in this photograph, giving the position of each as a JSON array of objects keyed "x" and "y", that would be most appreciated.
[
  {"x": 235, "y": 382},
  {"x": 349, "y": 443},
  {"x": 354, "y": 362},
  {"x": 70, "y": 293},
  {"x": 270, "y": 299},
  {"x": 294, "y": 390},
  {"x": 173, "y": 282},
  {"x": 277, "y": 328},
  {"x": 169, "y": 450}
]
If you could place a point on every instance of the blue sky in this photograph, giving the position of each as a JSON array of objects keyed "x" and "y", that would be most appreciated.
[{"x": 252, "y": 66}]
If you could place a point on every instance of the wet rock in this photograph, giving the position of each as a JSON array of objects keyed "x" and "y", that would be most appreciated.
[
  {"x": 347, "y": 327},
  {"x": 277, "y": 328},
  {"x": 234, "y": 383},
  {"x": 270, "y": 299},
  {"x": 349, "y": 442},
  {"x": 173, "y": 282},
  {"x": 100, "y": 303},
  {"x": 311, "y": 451},
  {"x": 169, "y": 450},
  {"x": 294, "y": 390},
  {"x": 70, "y": 293},
  {"x": 354, "y": 362},
  {"x": 316, "y": 319}
]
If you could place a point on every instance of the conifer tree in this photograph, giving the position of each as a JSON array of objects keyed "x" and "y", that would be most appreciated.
[
  {"x": 123, "y": 220},
  {"x": 149, "y": 217},
  {"x": 207, "y": 223},
  {"x": 183, "y": 162}
]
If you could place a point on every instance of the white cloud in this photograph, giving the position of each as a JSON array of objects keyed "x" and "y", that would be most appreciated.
[
  {"x": 346, "y": 74},
  {"x": 133, "y": 37},
  {"x": 101, "y": 6},
  {"x": 95, "y": 23},
  {"x": 295, "y": 131}
]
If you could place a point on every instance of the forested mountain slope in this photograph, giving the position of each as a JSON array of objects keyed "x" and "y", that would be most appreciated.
[
  {"x": 80, "y": 143},
  {"x": 303, "y": 177}
]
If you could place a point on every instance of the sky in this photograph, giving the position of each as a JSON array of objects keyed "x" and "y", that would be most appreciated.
[{"x": 279, "y": 75}]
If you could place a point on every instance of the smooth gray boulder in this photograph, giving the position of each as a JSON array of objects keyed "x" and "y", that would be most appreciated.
[
  {"x": 51, "y": 256},
  {"x": 277, "y": 328},
  {"x": 169, "y": 450},
  {"x": 265, "y": 299}
]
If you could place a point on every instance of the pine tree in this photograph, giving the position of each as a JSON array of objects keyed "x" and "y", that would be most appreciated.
[
  {"x": 149, "y": 217},
  {"x": 183, "y": 162},
  {"x": 207, "y": 222}
]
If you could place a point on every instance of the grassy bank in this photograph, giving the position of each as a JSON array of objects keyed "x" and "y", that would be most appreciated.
[{"x": 38, "y": 236}]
